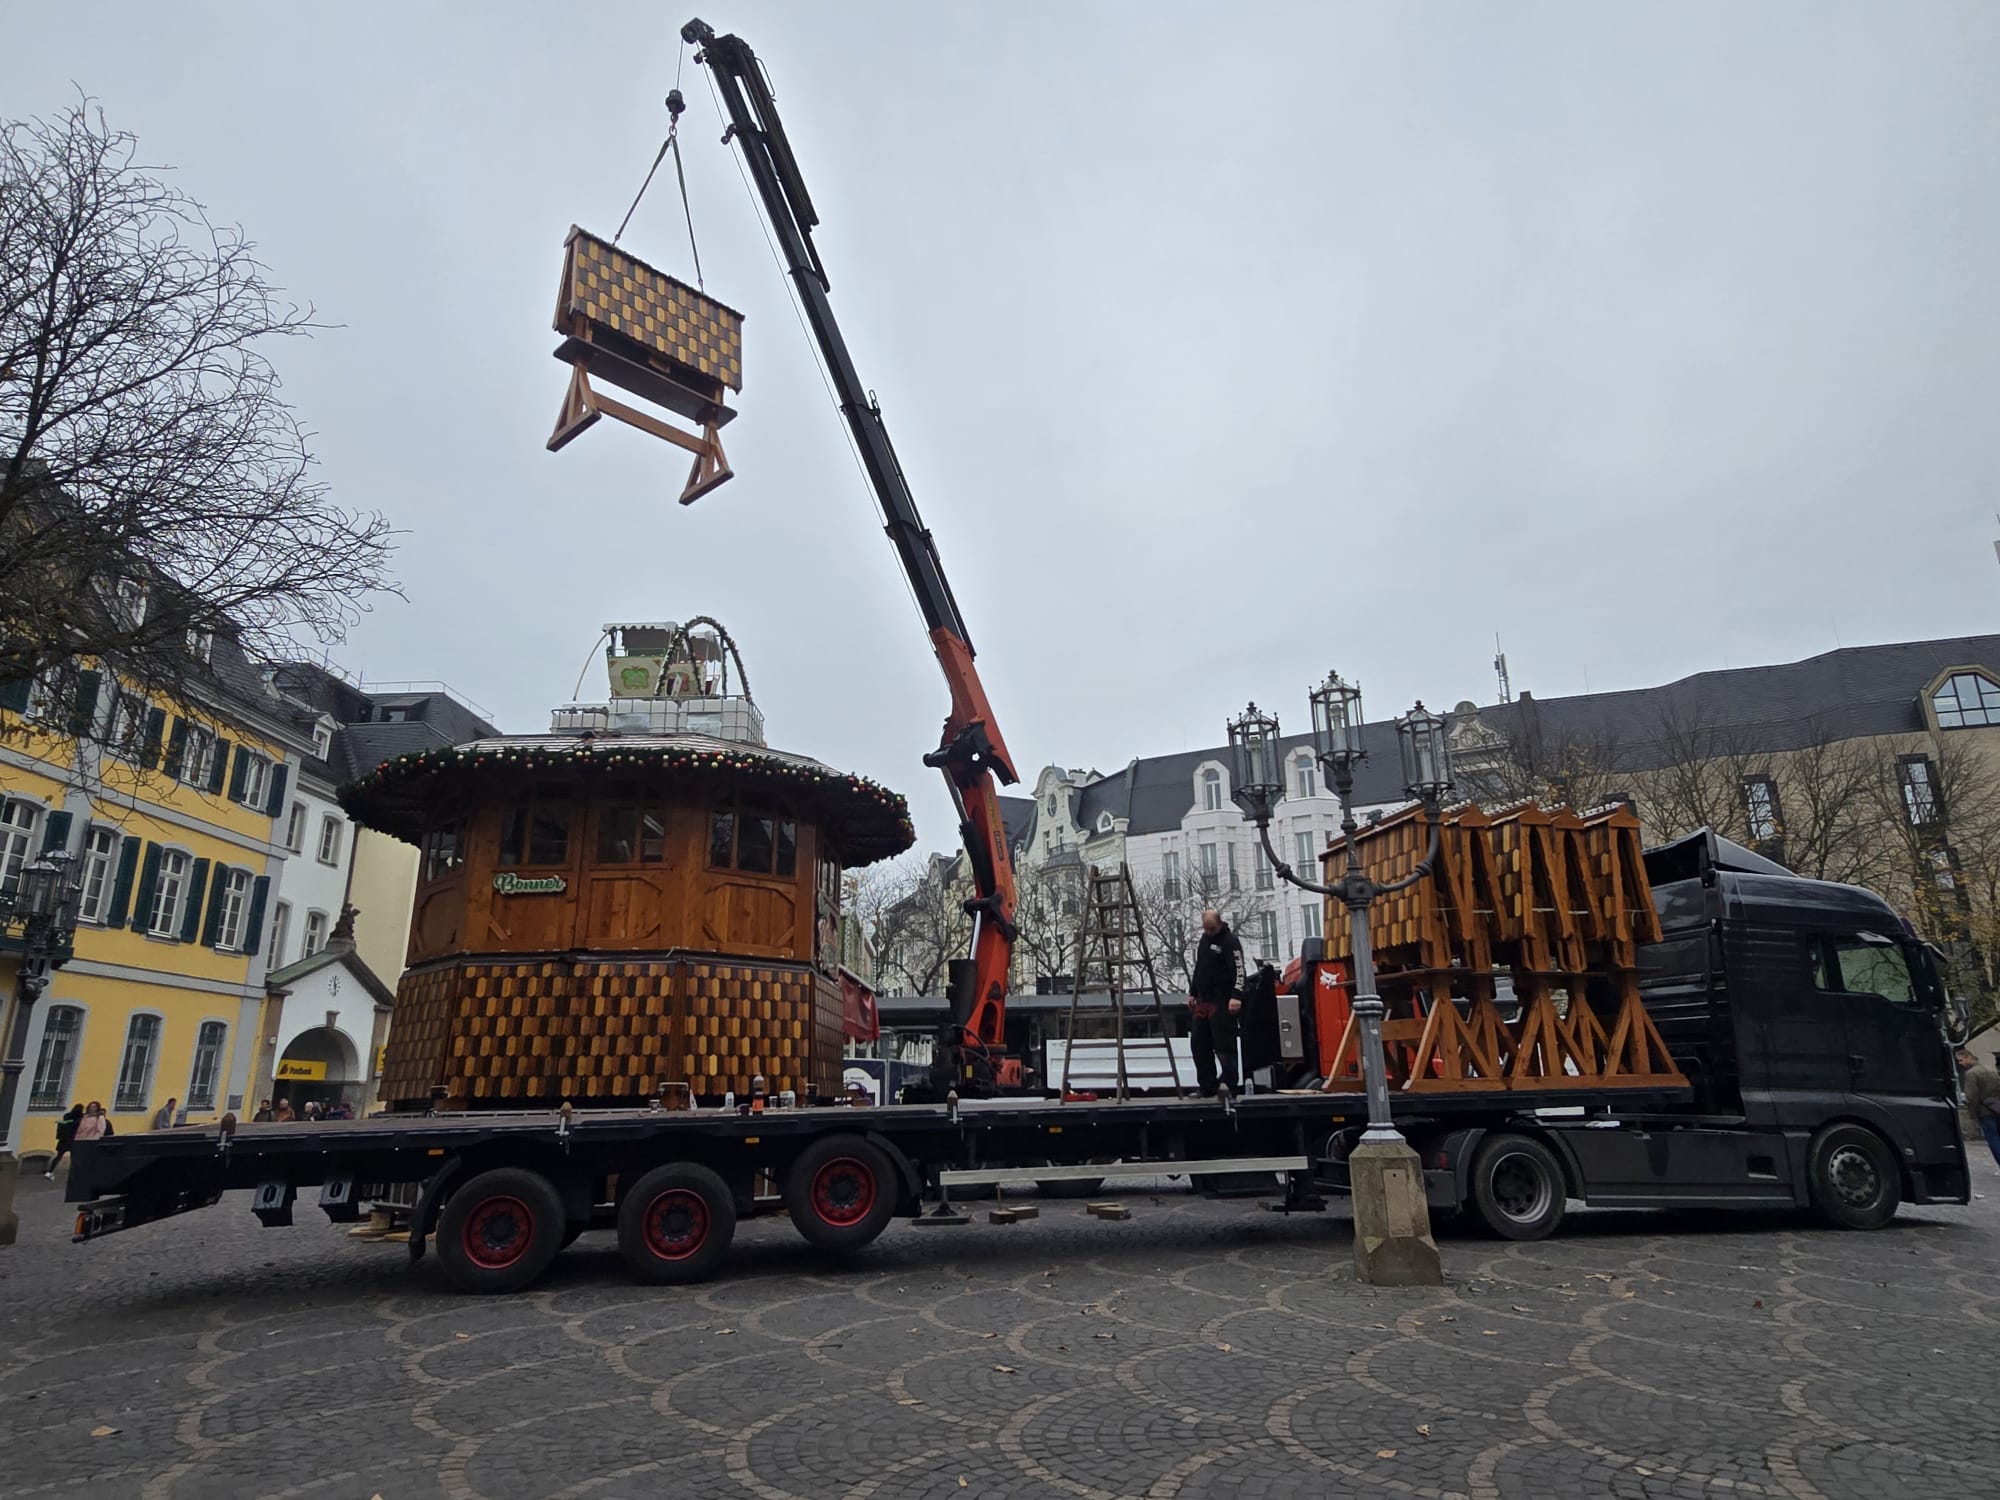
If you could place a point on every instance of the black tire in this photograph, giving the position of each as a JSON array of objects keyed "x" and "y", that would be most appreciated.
[
  {"x": 675, "y": 1224},
  {"x": 1853, "y": 1176},
  {"x": 1517, "y": 1187},
  {"x": 499, "y": 1230},
  {"x": 841, "y": 1192}
]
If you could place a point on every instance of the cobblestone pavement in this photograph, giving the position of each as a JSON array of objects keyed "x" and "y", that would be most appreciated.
[{"x": 1199, "y": 1350}]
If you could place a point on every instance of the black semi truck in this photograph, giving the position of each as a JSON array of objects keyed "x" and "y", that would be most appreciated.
[{"x": 1807, "y": 1019}]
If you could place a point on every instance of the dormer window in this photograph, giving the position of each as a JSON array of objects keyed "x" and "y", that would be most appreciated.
[
  {"x": 1967, "y": 700},
  {"x": 1104, "y": 822},
  {"x": 129, "y": 598},
  {"x": 201, "y": 643},
  {"x": 322, "y": 741},
  {"x": 1305, "y": 778}
]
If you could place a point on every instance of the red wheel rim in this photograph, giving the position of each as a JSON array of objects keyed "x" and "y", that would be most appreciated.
[
  {"x": 843, "y": 1191},
  {"x": 676, "y": 1224},
  {"x": 498, "y": 1232}
]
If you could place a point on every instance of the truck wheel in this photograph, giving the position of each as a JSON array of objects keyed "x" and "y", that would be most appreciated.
[
  {"x": 1517, "y": 1187},
  {"x": 1853, "y": 1177},
  {"x": 675, "y": 1224},
  {"x": 841, "y": 1192},
  {"x": 499, "y": 1230}
]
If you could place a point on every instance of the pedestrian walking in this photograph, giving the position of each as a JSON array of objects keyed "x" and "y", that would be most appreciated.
[
  {"x": 1982, "y": 1097},
  {"x": 163, "y": 1118},
  {"x": 1215, "y": 995},
  {"x": 65, "y": 1135},
  {"x": 95, "y": 1124}
]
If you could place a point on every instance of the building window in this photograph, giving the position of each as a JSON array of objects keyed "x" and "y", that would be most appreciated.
[
  {"x": 1967, "y": 701},
  {"x": 1920, "y": 792},
  {"x": 55, "y": 1064},
  {"x": 765, "y": 840},
  {"x": 198, "y": 758},
  {"x": 130, "y": 602},
  {"x": 1170, "y": 879},
  {"x": 100, "y": 867},
  {"x": 229, "y": 925},
  {"x": 1052, "y": 804},
  {"x": 295, "y": 828},
  {"x": 1309, "y": 919},
  {"x": 207, "y": 1065},
  {"x": 256, "y": 779},
  {"x": 1760, "y": 808},
  {"x": 1211, "y": 790},
  {"x": 443, "y": 850},
  {"x": 1307, "y": 781},
  {"x": 1208, "y": 869},
  {"x": 169, "y": 894},
  {"x": 329, "y": 840},
  {"x": 631, "y": 836},
  {"x": 536, "y": 833},
  {"x": 1235, "y": 882},
  {"x": 1267, "y": 934},
  {"x": 322, "y": 741},
  {"x": 135, "y": 1072},
  {"x": 201, "y": 643},
  {"x": 1302, "y": 845},
  {"x": 18, "y": 822},
  {"x": 315, "y": 934},
  {"x": 128, "y": 726},
  {"x": 281, "y": 918},
  {"x": 1265, "y": 874}
]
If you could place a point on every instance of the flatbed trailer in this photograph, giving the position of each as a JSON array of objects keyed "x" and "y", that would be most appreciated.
[{"x": 502, "y": 1194}]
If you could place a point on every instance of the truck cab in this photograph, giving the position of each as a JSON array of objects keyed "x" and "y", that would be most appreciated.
[{"x": 1795, "y": 1003}]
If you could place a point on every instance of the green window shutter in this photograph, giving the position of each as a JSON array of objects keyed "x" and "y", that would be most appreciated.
[
  {"x": 121, "y": 888},
  {"x": 191, "y": 909},
  {"x": 276, "y": 802},
  {"x": 221, "y": 766},
  {"x": 15, "y": 692},
  {"x": 56, "y": 835},
  {"x": 212, "y": 928},
  {"x": 177, "y": 741},
  {"x": 83, "y": 716},
  {"x": 156, "y": 728},
  {"x": 236, "y": 775},
  {"x": 142, "y": 894},
  {"x": 253, "y": 923}
]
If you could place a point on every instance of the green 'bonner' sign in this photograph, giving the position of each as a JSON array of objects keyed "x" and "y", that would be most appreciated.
[{"x": 517, "y": 885}]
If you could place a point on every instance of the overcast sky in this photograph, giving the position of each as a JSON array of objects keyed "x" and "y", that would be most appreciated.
[{"x": 1221, "y": 344}]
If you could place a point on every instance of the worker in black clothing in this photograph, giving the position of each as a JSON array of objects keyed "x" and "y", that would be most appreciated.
[{"x": 1215, "y": 996}]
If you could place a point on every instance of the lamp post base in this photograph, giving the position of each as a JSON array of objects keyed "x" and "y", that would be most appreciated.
[
  {"x": 1392, "y": 1218},
  {"x": 10, "y": 1178}
]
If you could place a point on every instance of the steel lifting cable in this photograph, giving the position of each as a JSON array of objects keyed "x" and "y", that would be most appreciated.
[{"x": 676, "y": 106}]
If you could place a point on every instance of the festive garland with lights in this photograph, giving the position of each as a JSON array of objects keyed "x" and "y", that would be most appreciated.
[{"x": 869, "y": 822}]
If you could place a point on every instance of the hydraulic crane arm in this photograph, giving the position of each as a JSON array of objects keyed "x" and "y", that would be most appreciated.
[{"x": 972, "y": 753}]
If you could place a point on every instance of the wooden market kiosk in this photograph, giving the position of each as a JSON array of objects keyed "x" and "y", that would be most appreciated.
[{"x": 647, "y": 896}]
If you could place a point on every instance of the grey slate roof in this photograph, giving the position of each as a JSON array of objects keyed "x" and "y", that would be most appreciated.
[
  {"x": 1855, "y": 692},
  {"x": 1850, "y": 693},
  {"x": 1017, "y": 819}
]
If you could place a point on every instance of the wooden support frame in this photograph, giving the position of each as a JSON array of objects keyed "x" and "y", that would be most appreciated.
[{"x": 582, "y": 406}]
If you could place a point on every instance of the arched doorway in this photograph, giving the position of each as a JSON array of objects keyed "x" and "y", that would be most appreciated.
[{"x": 318, "y": 1066}]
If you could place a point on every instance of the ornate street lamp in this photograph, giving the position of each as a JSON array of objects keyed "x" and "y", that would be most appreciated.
[
  {"x": 1259, "y": 782},
  {"x": 1426, "y": 754},
  {"x": 44, "y": 905}
]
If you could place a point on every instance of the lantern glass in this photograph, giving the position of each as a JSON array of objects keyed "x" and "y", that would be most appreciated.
[
  {"x": 1336, "y": 711},
  {"x": 1253, "y": 744},
  {"x": 41, "y": 890},
  {"x": 1426, "y": 754}
]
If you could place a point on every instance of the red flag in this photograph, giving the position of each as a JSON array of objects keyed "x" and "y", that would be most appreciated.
[{"x": 857, "y": 1005}]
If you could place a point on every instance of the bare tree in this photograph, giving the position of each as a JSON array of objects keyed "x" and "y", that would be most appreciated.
[
  {"x": 1520, "y": 755},
  {"x": 1049, "y": 915},
  {"x": 914, "y": 914},
  {"x": 1171, "y": 916},
  {"x": 155, "y": 488}
]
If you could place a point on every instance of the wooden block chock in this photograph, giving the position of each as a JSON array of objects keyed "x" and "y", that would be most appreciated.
[
  {"x": 1110, "y": 1210},
  {"x": 637, "y": 328}
]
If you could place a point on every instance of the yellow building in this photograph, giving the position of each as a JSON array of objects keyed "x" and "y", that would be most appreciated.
[{"x": 166, "y": 815}]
